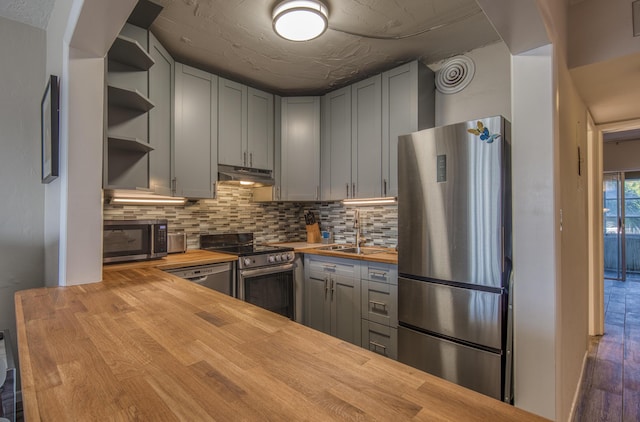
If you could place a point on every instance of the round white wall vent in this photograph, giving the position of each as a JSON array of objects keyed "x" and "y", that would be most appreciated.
[{"x": 455, "y": 74}]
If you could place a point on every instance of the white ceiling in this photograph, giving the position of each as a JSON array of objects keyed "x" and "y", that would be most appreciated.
[
  {"x": 32, "y": 12},
  {"x": 236, "y": 39},
  {"x": 610, "y": 89}
]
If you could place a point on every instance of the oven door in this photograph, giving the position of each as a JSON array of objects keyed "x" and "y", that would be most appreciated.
[{"x": 270, "y": 288}]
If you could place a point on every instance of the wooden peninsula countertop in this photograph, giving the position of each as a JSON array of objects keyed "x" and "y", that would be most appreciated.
[{"x": 145, "y": 345}]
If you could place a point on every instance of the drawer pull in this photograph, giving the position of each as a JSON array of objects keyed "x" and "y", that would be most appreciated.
[
  {"x": 378, "y": 274},
  {"x": 376, "y": 303},
  {"x": 329, "y": 267},
  {"x": 377, "y": 346}
]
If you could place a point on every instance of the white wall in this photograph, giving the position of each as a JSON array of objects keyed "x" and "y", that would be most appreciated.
[
  {"x": 22, "y": 84},
  {"x": 534, "y": 238},
  {"x": 601, "y": 30},
  {"x": 55, "y": 59},
  {"x": 621, "y": 156},
  {"x": 573, "y": 283},
  {"x": 488, "y": 94},
  {"x": 78, "y": 37}
]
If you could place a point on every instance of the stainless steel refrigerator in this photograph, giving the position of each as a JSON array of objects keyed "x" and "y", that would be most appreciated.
[{"x": 454, "y": 254}]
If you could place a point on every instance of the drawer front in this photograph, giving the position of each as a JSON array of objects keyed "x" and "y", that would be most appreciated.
[
  {"x": 380, "y": 302},
  {"x": 380, "y": 339},
  {"x": 338, "y": 266},
  {"x": 382, "y": 273}
]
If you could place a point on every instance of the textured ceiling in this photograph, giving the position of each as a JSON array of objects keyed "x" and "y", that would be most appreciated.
[
  {"x": 235, "y": 39},
  {"x": 32, "y": 12}
]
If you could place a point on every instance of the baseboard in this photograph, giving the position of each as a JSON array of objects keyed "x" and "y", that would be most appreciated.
[{"x": 576, "y": 395}]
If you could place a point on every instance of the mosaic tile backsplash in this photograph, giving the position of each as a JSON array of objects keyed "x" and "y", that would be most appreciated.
[{"x": 234, "y": 212}]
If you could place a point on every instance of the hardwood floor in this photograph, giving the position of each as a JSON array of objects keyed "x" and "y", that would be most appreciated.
[{"x": 610, "y": 389}]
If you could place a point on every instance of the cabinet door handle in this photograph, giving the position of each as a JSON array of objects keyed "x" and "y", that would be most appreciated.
[
  {"x": 377, "y": 345},
  {"x": 347, "y": 190},
  {"x": 251, "y": 159},
  {"x": 326, "y": 287},
  {"x": 278, "y": 192},
  {"x": 332, "y": 289},
  {"x": 317, "y": 192},
  {"x": 173, "y": 185},
  {"x": 385, "y": 187},
  {"x": 376, "y": 303},
  {"x": 244, "y": 158},
  {"x": 353, "y": 190},
  {"x": 215, "y": 190}
]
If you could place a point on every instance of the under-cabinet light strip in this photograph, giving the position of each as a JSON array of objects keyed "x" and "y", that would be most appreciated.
[
  {"x": 148, "y": 201},
  {"x": 370, "y": 201}
]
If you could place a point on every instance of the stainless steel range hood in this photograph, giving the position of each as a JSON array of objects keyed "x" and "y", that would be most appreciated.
[{"x": 245, "y": 176}]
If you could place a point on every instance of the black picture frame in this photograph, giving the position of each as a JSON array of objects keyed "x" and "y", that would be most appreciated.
[{"x": 50, "y": 133}]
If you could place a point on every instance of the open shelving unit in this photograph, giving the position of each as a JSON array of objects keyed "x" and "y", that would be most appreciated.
[
  {"x": 129, "y": 52},
  {"x": 129, "y": 144},
  {"x": 130, "y": 99}
]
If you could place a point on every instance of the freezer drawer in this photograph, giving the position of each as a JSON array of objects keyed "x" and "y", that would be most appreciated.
[
  {"x": 470, "y": 315},
  {"x": 466, "y": 366}
]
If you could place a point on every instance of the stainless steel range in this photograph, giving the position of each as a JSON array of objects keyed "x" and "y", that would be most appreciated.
[{"x": 265, "y": 272}]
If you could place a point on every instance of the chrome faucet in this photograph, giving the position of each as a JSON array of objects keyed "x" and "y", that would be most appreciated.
[{"x": 356, "y": 226}]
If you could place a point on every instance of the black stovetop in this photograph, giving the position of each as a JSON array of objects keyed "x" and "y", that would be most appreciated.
[{"x": 241, "y": 244}]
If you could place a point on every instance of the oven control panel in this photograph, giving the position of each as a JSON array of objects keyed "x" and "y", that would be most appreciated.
[{"x": 265, "y": 260}]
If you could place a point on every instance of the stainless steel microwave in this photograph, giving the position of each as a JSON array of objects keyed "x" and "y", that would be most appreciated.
[{"x": 133, "y": 240}]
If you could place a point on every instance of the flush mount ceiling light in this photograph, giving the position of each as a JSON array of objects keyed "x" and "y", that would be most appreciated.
[{"x": 300, "y": 20}]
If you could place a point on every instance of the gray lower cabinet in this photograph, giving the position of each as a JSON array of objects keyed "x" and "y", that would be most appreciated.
[
  {"x": 195, "y": 151},
  {"x": 300, "y": 149},
  {"x": 161, "y": 131},
  {"x": 332, "y": 297},
  {"x": 380, "y": 308},
  {"x": 380, "y": 339}
]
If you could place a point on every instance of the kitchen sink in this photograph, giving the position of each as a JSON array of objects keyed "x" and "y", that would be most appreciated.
[
  {"x": 336, "y": 247},
  {"x": 351, "y": 249}
]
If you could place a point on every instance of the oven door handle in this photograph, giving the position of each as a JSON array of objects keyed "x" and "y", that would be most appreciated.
[{"x": 266, "y": 271}]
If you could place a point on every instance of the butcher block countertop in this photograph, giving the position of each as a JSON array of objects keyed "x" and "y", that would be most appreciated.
[
  {"x": 386, "y": 255},
  {"x": 178, "y": 260},
  {"x": 145, "y": 345}
]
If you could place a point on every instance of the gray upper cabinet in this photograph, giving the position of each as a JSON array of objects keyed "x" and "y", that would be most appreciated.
[
  {"x": 366, "y": 138},
  {"x": 161, "y": 131},
  {"x": 232, "y": 117},
  {"x": 260, "y": 121},
  {"x": 245, "y": 135},
  {"x": 300, "y": 149},
  {"x": 195, "y": 152},
  {"x": 408, "y": 105},
  {"x": 336, "y": 145}
]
